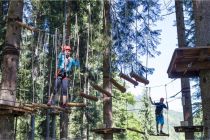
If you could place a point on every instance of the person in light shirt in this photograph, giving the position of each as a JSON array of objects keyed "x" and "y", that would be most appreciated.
[{"x": 64, "y": 66}]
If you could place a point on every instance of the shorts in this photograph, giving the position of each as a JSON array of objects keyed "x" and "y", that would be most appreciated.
[{"x": 160, "y": 119}]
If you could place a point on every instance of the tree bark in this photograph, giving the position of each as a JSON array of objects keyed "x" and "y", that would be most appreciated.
[
  {"x": 1, "y": 9},
  {"x": 107, "y": 101},
  {"x": 64, "y": 117},
  {"x": 53, "y": 126},
  {"x": 185, "y": 83},
  {"x": 64, "y": 121},
  {"x": 10, "y": 66},
  {"x": 202, "y": 35},
  {"x": 32, "y": 129}
]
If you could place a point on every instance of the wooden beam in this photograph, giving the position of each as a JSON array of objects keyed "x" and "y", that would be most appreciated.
[
  {"x": 15, "y": 109},
  {"x": 195, "y": 66},
  {"x": 198, "y": 128},
  {"x": 135, "y": 83},
  {"x": 96, "y": 87},
  {"x": 44, "y": 106},
  {"x": 117, "y": 85},
  {"x": 76, "y": 105},
  {"x": 139, "y": 78},
  {"x": 88, "y": 96},
  {"x": 188, "y": 74},
  {"x": 135, "y": 130},
  {"x": 108, "y": 130},
  {"x": 203, "y": 55},
  {"x": 27, "y": 26}
]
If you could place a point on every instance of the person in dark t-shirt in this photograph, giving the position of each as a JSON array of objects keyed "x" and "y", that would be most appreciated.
[{"x": 159, "y": 114}]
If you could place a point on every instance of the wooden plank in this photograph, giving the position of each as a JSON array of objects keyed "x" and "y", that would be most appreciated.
[
  {"x": 196, "y": 66},
  {"x": 15, "y": 109},
  {"x": 88, "y": 96},
  {"x": 198, "y": 128},
  {"x": 108, "y": 130},
  {"x": 135, "y": 83},
  {"x": 96, "y": 87},
  {"x": 139, "y": 78},
  {"x": 172, "y": 63},
  {"x": 117, "y": 85},
  {"x": 76, "y": 105},
  {"x": 135, "y": 130},
  {"x": 186, "y": 75}
]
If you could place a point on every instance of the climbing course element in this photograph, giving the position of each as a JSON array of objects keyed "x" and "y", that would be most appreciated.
[
  {"x": 88, "y": 96},
  {"x": 96, "y": 87},
  {"x": 117, "y": 85},
  {"x": 135, "y": 83},
  {"x": 139, "y": 78}
]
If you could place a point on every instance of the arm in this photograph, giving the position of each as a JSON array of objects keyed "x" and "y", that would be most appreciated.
[
  {"x": 76, "y": 61},
  {"x": 59, "y": 62},
  {"x": 167, "y": 105},
  {"x": 151, "y": 101},
  {"x": 72, "y": 63}
]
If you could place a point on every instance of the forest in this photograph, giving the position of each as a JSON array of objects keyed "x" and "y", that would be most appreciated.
[{"x": 67, "y": 65}]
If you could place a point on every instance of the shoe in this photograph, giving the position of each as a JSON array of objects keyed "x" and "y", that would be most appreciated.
[
  {"x": 158, "y": 133},
  {"x": 162, "y": 133},
  {"x": 49, "y": 103},
  {"x": 64, "y": 106}
]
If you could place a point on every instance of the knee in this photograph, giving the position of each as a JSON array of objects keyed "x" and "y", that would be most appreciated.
[{"x": 64, "y": 92}]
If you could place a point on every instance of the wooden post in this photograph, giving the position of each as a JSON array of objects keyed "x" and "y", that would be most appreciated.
[
  {"x": 88, "y": 96},
  {"x": 128, "y": 79},
  {"x": 120, "y": 87},
  {"x": 139, "y": 78},
  {"x": 185, "y": 82}
]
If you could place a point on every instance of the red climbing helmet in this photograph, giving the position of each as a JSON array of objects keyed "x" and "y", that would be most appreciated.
[{"x": 66, "y": 48}]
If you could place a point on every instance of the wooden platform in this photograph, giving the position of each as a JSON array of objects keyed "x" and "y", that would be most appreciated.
[
  {"x": 188, "y": 62},
  {"x": 16, "y": 110},
  {"x": 198, "y": 128},
  {"x": 19, "y": 109},
  {"x": 108, "y": 130}
]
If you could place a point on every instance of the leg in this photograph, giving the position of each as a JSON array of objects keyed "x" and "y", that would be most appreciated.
[
  {"x": 56, "y": 88},
  {"x": 157, "y": 128},
  {"x": 161, "y": 124},
  {"x": 161, "y": 128},
  {"x": 157, "y": 122},
  {"x": 64, "y": 90}
]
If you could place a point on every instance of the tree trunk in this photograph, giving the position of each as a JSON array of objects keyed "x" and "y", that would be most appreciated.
[
  {"x": 10, "y": 66},
  {"x": 53, "y": 126},
  {"x": 1, "y": 9},
  {"x": 48, "y": 125},
  {"x": 202, "y": 35},
  {"x": 185, "y": 83},
  {"x": 107, "y": 101},
  {"x": 68, "y": 24},
  {"x": 64, "y": 117},
  {"x": 64, "y": 121},
  {"x": 32, "y": 129}
]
